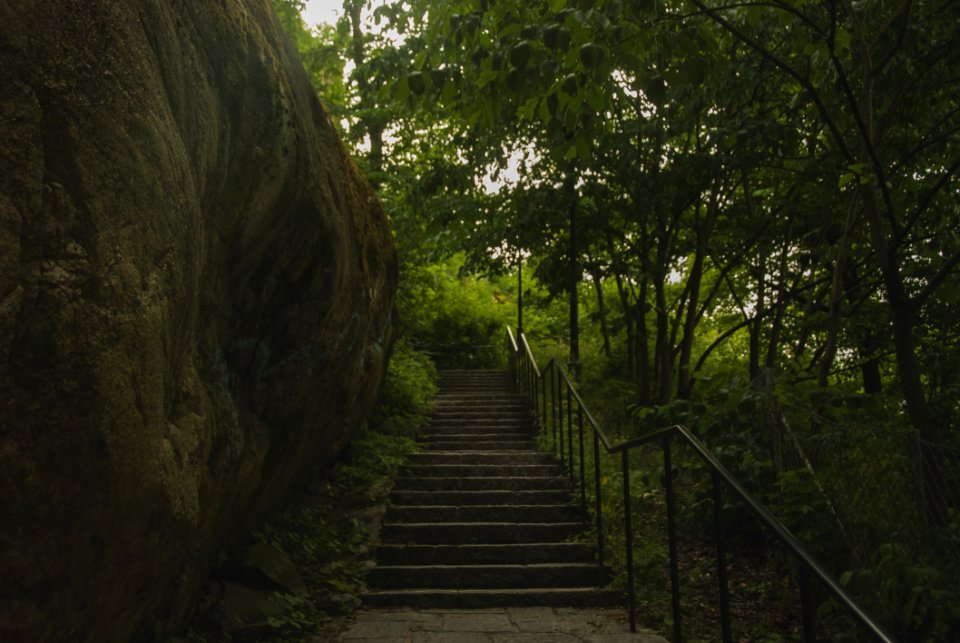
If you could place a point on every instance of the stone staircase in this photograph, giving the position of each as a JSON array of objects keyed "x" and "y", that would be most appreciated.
[{"x": 481, "y": 517}]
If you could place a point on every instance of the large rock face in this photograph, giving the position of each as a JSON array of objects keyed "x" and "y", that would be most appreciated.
[{"x": 195, "y": 297}]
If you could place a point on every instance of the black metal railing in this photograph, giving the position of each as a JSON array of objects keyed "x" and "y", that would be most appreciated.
[{"x": 563, "y": 418}]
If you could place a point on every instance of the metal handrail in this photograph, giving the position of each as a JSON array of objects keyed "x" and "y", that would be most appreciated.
[{"x": 554, "y": 383}]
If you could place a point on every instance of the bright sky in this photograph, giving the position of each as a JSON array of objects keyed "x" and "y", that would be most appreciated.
[{"x": 322, "y": 11}]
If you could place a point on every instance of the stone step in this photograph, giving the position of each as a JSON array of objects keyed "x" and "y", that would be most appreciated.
[
  {"x": 492, "y": 419},
  {"x": 485, "y": 554},
  {"x": 512, "y": 483},
  {"x": 488, "y": 497},
  {"x": 484, "y": 513},
  {"x": 476, "y": 428},
  {"x": 537, "y": 575},
  {"x": 459, "y": 457},
  {"x": 480, "y": 517},
  {"x": 495, "y": 414},
  {"x": 481, "y": 470},
  {"x": 481, "y": 426},
  {"x": 493, "y": 385},
  {"x": 473, "y": 436},
  {"x": 483, "y": 400},
  {"x": 475, "y": 446},
  {"x": 500, "y": 379},
  {"x": 487, "y": 533},
  {"x": 498, "y": 407},
  {"x": 478, "y": 598}
]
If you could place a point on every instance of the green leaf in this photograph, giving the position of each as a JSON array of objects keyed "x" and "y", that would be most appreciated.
[
  {"x": 416, "y": 83},
  {"x": 520, "y": 54},
  {"x": 656, "y": 91},
  {"x": 450, "y": 91},
  {"x": 401, "y": 89},
  {"x": 591, "y": 54}
]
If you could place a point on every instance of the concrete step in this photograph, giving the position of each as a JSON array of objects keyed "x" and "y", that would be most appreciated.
[
  {"x": 484, "y": 513},
  {"x": 481, "y": 470},
  {"x": 487, "y": 497},
  {"x": 459, "y": 457},
  {"x": 475, "y": 598},
  {"x": 493, "y": 413},
  {"x": 480, "y": 517},
  {"x": 480, "y": 406},
  {"x": 526, "y": 483},
  {"x": 477, "y": 428},
  {"x": 475, "y": 446},
  {"x": 489, "y": 422},
  {"x": 433, "y": 533},
  {"x": 466, "y": 438},
  {"x": 482, "y": 400},
  {"x": 537, "y": 575},
  {"x": 485, "y": 554}
]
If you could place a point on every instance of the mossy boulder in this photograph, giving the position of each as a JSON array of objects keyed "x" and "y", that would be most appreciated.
[{"x": 196, "y": 288}]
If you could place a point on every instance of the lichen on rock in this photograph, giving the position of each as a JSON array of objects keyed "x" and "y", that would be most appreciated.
[{"x": 196, "y": 287}]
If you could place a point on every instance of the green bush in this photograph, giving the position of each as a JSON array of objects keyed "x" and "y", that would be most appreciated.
[
  {"x": 457, "y": 319},
  {"x": 410, "y": 384}
]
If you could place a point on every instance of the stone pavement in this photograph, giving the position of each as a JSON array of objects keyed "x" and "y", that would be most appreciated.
[{"x": 492, "y": 625}]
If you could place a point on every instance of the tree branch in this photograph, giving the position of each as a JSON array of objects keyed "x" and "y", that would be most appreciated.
[
  {"x": 790, "y": 71},
  {"x": 936, "y": 281}
]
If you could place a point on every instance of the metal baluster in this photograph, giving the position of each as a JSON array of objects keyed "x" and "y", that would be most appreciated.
[
  {"x": 583, "y": 469},
  {"x": 806, "y": 607},
  {"x": 536, "y": 395},
  {"x": 544, "y": 418},
  {"x": 721, "y": 559},
  {"x": 672, "y": 538},
  {"x": 560, "y": 415},
  {"x": 570, "y": 433},
  {"x": 628, "y": 538},
  {"x": 597, "y": 505}
]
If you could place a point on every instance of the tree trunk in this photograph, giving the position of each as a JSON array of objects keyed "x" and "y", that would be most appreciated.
[
  {"x": 643, "y": 345},
  {"x": 628, "y": 326},
  {"x": 836, "y": 295},
  {"x": 601, "y": 306},
  {"x": 776, "y": 328},
  {"x": 664, "y": 351},
  {"x": 694, "y": 281}
]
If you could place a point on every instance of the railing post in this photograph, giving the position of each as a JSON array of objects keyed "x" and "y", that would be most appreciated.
[
  {"x": 521, "y": 359},
  {"x": 544, "y": 418},
  {"x": 583, "y": 468},
  {"x": 597, "y": 504},
  {"x": 536, "y": 399},
  {"x": 628, "y": 540},
  {"x": 672, "y": 539},
  {"x": 529, "y": 383},
  {"x": 721, "y": 558},
  {"x": 570, "y": 434},
  {"x": 560, "y": 416},
  {"x": 806, "y": 607},
  {"x": 553, "y": 404}
]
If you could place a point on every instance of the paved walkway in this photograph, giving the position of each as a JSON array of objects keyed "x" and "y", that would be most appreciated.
[{"x": 492, "y": 625}]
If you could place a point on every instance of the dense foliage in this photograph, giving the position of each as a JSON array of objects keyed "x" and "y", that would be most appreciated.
[{"x": 755, "y": 207}]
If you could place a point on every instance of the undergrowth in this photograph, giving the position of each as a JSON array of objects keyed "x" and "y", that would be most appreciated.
[
  {"x": 330, "y": 531},
  {"x": 824, "y": 490}
]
